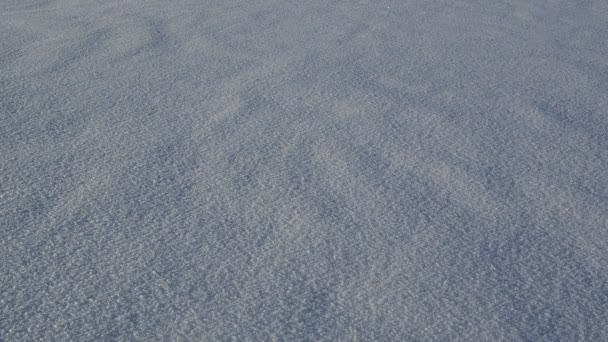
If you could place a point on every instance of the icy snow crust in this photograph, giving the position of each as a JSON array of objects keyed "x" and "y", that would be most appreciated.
[{"x": 304, "y": 170}]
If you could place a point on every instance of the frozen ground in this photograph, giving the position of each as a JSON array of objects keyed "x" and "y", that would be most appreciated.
[{"x": 413, "y": 170}]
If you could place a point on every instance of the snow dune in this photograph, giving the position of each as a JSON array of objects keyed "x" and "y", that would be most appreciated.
[{"x": 391, "y": 170}]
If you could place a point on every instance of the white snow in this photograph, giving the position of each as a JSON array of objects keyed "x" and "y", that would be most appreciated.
[{"x": 390, "y": 170}]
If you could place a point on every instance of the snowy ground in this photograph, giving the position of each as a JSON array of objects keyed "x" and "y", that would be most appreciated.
[{"x": 391, "y": 170}]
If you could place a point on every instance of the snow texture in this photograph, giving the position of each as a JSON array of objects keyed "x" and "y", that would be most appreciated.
[{"x": 324, "y": 170}]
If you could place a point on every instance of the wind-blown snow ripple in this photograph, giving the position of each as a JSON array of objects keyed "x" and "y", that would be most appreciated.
[{"x": 319, "y": 170}]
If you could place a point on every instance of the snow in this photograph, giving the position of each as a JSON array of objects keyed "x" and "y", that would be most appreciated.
[{"x": 413, "y": 170}]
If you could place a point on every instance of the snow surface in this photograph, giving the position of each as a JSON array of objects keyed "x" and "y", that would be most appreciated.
[{"x": 390, "y": 170}]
